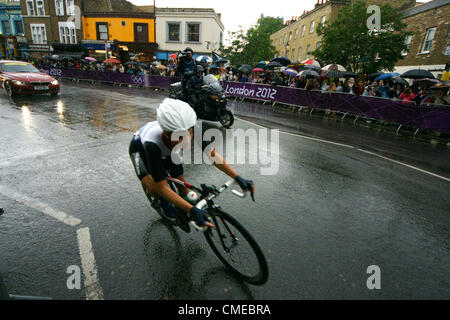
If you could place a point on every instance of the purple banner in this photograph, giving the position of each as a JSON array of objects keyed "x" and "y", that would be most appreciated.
[
  {"x": 432, "y": 117},
  {"x": 114, "y": 77},
  {"x": 405, "y": 113}
]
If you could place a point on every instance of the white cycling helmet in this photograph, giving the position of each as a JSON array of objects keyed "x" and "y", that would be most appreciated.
[{"x": 175, "y": 115}]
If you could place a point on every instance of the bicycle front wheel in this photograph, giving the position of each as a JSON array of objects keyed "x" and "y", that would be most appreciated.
[{"x": 237, "y": 249}]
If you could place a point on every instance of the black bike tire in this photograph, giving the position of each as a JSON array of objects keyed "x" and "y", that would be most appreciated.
[
  {"x": 230, "y": 114},
  {"x": 263, "y": 274}
]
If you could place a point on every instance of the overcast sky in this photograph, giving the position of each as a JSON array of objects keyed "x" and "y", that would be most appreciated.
[{"x": 243, "y": 13}]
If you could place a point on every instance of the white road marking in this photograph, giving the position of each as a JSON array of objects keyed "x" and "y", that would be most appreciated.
[
  {"x": 91, "y": 282},
  {"x": 302, "y": 136},
  {"x": 406, "y": 165},
  {"x": 361, "y": 150},
  {"x": 40, "y": 206}
]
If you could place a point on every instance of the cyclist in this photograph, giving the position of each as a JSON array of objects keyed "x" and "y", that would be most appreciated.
[{"x": 151, "y": 154}]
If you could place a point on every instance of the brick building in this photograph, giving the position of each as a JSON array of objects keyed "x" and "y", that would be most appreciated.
[
  {"x": 299, "y": 37},
  {"x": 429, "y": 46},
  {"x": 50, "y": 26}
]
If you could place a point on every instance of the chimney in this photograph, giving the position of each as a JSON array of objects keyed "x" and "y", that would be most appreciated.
[
  {"x": 317, "y": 4},
  {"x": 220, "y": 16}
]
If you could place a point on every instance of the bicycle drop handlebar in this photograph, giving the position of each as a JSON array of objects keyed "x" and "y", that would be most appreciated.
[{"x": 204, "y": 203}]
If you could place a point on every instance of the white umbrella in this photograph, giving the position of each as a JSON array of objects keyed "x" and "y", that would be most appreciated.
[
  {"x": 336, "y": 67},
  {"x": 312, "y": 62}
]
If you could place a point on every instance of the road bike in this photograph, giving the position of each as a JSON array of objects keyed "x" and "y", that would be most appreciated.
[{"x": 230, "y": 241}]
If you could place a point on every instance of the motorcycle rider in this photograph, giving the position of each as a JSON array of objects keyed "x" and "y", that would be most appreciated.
[
  {"x": 194, "y": 85},
  {"x": 186, "y": 69}
]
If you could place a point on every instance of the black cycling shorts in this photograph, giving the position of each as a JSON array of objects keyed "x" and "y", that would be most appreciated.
[{"x": 147, "y": 160}]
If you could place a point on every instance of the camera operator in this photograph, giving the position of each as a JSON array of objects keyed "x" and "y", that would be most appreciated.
[{"x": 187, "y": 68}]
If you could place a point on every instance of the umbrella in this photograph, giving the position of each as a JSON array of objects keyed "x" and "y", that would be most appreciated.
[
  {"x": 204, "y": 59},
  {"x": 386, "y": 76},
  {"x": 261, "y": 64},
  {"x": 308, "y": 74},
  {"x": 155, "y": 63},
  {"x": 336, "y": 67},
  {"x": 348, "y": 74},
  {"x": 312, "y": 62},
  {"x": 113, "y": 61},
  {"x": 90, "y": 59},
  {"x": 221, "y": 61},
  {"x": 417, "y": 74},
  {"x": 311, "y": 67},
  {"x": 441, "y": 85},
  {"x": 273, "y": 64},
  {"x": 213, "y": 67},
  {"x": 290, "y": 72},
  {"x": 372, "y": 76},
  {"x": 173, "y": 56},
  {"x": 333, "y": 74},
  {"x": 283, "y": 60},
  {"x": 399, "y": 80},
  {"x": 245, "y": 68},
  {"x": 258, "y": 70},
  {"x": 426, "y": 82}
]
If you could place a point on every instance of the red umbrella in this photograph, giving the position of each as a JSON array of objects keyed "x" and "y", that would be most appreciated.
[
  {"x": 173, "y": 56},
  {"x": 112, "y": 61},
  {"x": 258, "y": 70}
]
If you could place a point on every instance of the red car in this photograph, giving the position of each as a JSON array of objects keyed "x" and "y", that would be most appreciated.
[{"x": 19, "y": 77}]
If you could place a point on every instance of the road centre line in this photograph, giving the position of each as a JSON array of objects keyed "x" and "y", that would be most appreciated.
[
  {"x": 40, "y": 206},
  {"x": 352, "y": 147}
]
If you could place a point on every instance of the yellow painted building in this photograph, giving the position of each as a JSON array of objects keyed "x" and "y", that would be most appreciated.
[{"x": 134, "y": 31}]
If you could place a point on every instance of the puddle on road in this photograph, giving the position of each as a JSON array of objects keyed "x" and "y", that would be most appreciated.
[{"x": 79, "y": 108}]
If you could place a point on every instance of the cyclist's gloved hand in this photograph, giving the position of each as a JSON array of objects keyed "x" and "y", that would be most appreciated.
[
  {"x": 246, "y": 185},
  {"x": 200, "y": 217}
]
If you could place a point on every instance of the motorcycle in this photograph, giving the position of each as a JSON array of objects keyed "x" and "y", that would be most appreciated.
[{"x": 210, "y": 102}]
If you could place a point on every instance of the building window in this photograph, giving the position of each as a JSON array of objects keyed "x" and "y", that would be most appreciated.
[
  {"x": 281, "y": 39},
  {"x": 193, "y": 32},
  {"x": 292, "y": 55},
  {"x": 285, "y": 38},
  {"x": 19, "y": 27},
  {"x": 30, "y": 8},
  {"x": 70, "y": 7},
  {"x": 124, "y": 23},
  {"x": 308, "y": 52},
  {"x": 296, "y": 34},
  {"x": 428, "y": 40},
  {"x": 221, "y": 38},
  {"x": 67, "y": 32},
  {"x": 311, "y": 29},
  {"x": 59, "y": 7},
  {"x": 102, "y": 31},
  {"x": 173, "y": 31},
  {"x": 322, "y": 20},
  {"x": 303, "y": 30},
  {"x": 6, "y": 27},
  {"x": 290, "y": 36},
  {"x": 40, "y": 8},
  {"x": 407, "y": 44},
  {"x": 299, "y": 54},
  {"x": 38, "y": 33}
]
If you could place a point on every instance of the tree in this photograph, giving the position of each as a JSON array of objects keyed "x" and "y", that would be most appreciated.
[
  {"x": 254, "y": 45},
  {"x": 349, "y": 42}
]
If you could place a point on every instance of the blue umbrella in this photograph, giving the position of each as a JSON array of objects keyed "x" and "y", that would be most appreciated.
[{"x": 387, "y": 76}]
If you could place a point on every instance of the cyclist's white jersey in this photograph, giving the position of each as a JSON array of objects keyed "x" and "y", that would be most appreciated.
[{"x": 152, "y": 132}]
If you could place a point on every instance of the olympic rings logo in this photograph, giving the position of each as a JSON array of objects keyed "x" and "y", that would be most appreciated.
[{"x": 137, "y": 79}]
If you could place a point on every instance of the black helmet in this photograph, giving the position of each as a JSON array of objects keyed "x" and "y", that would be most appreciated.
[
  {"x": 200, "y": 68},
  {"x": 188, "y": 49}
]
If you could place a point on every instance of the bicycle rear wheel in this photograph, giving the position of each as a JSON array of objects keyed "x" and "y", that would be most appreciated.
[{"x": 237, "y": 249}]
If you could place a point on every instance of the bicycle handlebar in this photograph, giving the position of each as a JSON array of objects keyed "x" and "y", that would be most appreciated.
[{"x": 203, "y": 203}]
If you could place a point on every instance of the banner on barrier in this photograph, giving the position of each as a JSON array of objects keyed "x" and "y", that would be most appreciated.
[{"x": 424, "y": 117}]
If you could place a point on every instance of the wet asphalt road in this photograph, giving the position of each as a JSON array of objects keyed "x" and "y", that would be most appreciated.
[{"x": 329, "y": 213}]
